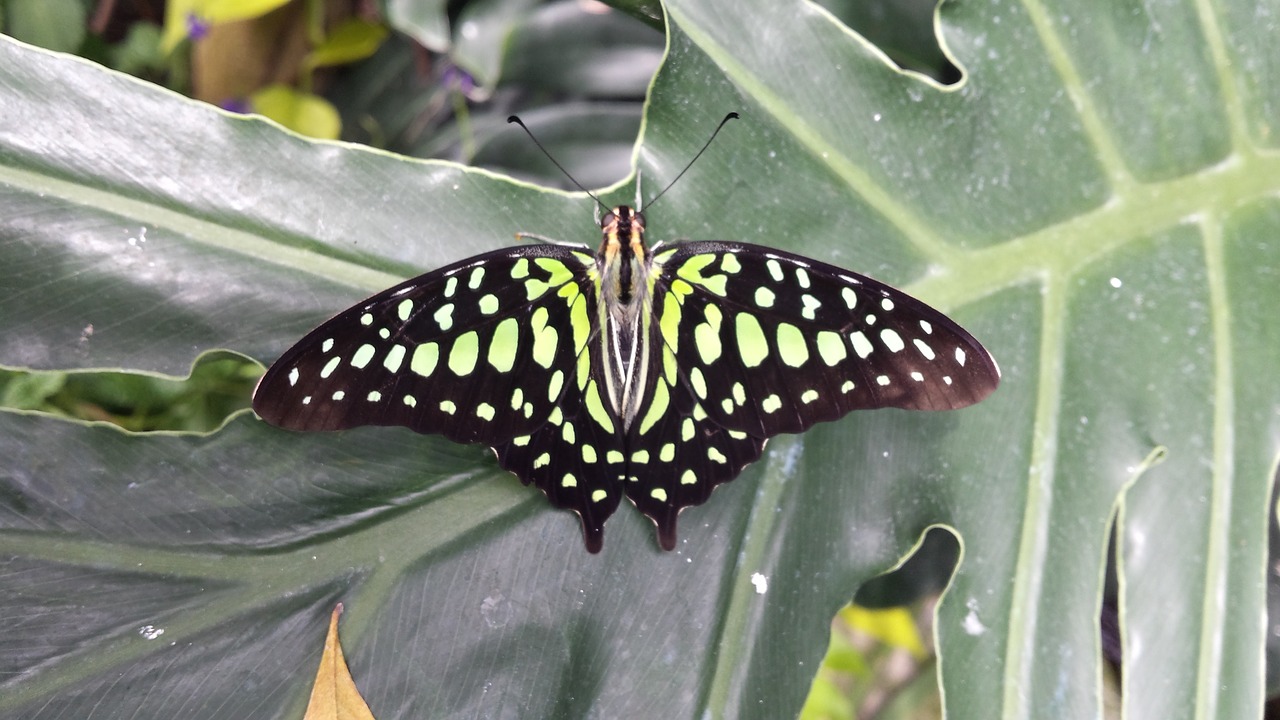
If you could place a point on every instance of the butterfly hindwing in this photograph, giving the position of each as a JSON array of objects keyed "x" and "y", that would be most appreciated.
[
  {"x": 578, "y": 456},
  {"x": 678, "y": 453},
  {"x": 477, "y": 351}
]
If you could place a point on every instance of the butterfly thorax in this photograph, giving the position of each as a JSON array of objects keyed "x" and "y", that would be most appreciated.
[
  {"x": 625, "y": 310},
  {"x": 623, "y": 259}
]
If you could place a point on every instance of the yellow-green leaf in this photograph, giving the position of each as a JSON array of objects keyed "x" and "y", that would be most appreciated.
[
  {"x": 220, "y": 11},
  {"x": 349, "y": 41},
  {"x": 179, "y": 13},
  {"x": 304, "y": 113},
  {"x": 892, "y": 626}
]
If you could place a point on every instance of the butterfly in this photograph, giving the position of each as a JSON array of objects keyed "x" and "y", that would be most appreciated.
[{"x": 653, "y": 373}]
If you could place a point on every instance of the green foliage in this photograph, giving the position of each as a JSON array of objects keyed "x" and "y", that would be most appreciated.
[
  {"x": 301, "y": 112},
  {"x": 1096, "y": 201},
  {"x": 54, "y": 24},
  {"x": 348, "y": 42}
]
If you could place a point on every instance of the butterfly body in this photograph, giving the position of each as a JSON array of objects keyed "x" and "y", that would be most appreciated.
[{"x": 654, "y": 373}]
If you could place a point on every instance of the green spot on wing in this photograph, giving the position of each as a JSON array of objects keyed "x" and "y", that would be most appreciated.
[
  {"x": 861, "y": 344},
  {"x": 330, "y": 366},
  {"x": 657, "y": 407},
  {"x": 831, "y": 348},
  {"x": 444, "y": 316},
  {"x": 362, "y": 356},
  {"x": 425, "y": 358},
  {"x": 891, "y": 340},
  {"x": 504, "y": 344},
  {"x": 792, "y": 347},
  {"x": 752, "y": 346},
  {"x": 698, "y": 382},
  {"x": 670, "y": 321},
  {"x": 692, "y": 269},
  {"x": 464, "y": 354},
  {"x": 395, "y": 356},
  {"x": 545, "y": 339},
  {"x": 595, "y": 407}
]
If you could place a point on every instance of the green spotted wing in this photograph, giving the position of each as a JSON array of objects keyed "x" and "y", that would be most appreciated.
[
  {"x": 478, "y": 351},
  {"x": 756, "y": 342},
  {"x": 488, "y": 350}
]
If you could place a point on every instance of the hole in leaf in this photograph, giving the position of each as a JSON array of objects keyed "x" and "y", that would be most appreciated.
[
  {"x": 220, "y": 384},
  {"x": 902, "y": 29},
  {"x": 881, "y": 661}
]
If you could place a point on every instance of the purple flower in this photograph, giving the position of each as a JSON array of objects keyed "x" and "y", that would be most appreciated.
[
  {"x": 197, "y": 27},
  {"x": 458, "y": 79}
]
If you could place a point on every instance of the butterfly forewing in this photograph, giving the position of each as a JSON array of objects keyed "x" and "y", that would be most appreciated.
[
  {"x": 478, "y": 352},
  {"x": 772, "y": 342}
]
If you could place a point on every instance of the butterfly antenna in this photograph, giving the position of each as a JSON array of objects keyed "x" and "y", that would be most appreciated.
[
  {"x": 516, "y": 119},
  {"x": 727, "y": 118}
]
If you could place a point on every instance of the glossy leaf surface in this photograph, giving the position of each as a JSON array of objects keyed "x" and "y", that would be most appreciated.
[{"x": 1096, "y": 203}]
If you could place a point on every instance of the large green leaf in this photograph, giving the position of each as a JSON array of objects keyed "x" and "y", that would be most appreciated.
[{"x": 1095, "y": 201}]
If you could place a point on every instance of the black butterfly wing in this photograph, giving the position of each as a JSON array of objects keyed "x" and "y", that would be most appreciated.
[
  {"x": 756, "y": 342},
  {"x": 679, "y": 452},
  {"x": 772, "y": 342},
  {"x": 578, "y": 456},
  {"x": 476, "y": 351}
]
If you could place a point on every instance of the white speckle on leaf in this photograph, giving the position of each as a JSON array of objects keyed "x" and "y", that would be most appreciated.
[
  {"x": 496, "y": 611},
  {"x": 140, "y": 240},
  {"x": 972, "y": 624},
  {"x": 761, "y": 582}
]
